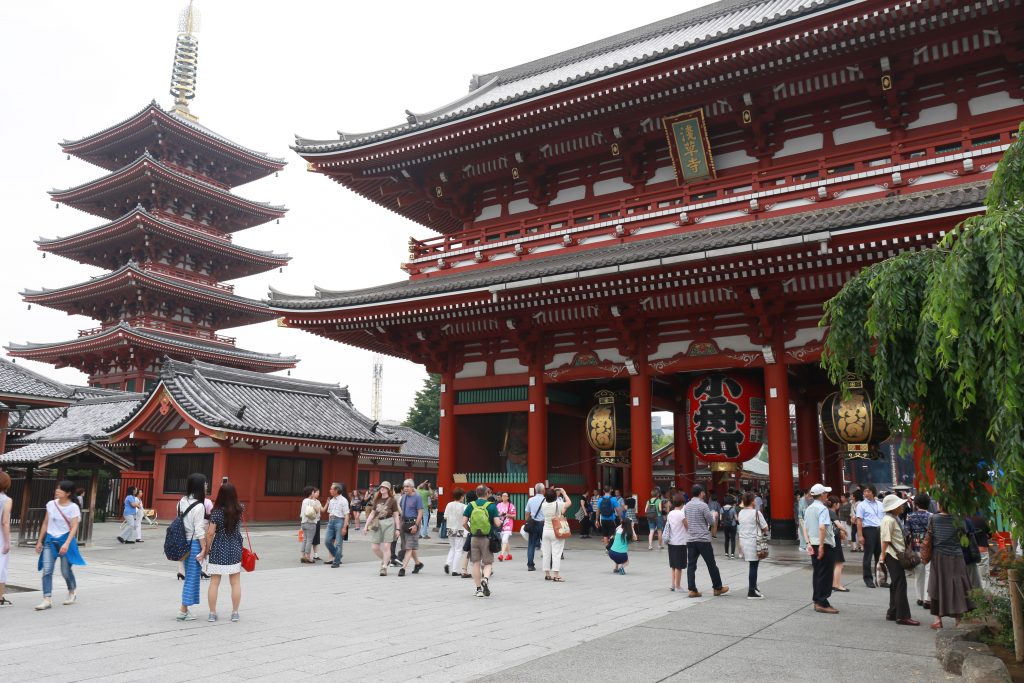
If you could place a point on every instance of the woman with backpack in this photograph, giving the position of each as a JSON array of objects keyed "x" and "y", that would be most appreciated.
[
  {"x": 655, "y": 520},
  {"x": 58, "y": 539},
  {"x": 750, "y": 525},
  {"x": 309, "y": 519},
  {"x": 619, "y": 550},
  {"x": 192, "y": 511},
  {"x": 224, "y": 539},
  {"x": 729, "y": 523}
]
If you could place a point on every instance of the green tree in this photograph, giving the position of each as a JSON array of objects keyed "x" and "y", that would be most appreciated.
[
  {"x": 941, "y": 334},
  {"x": 425, "y": 414}
]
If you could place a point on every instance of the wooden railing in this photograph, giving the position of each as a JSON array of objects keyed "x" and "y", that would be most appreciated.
[
  {"x": 180, "y": 274},
  {"x": 732, "y": 191},
  {"x": 151, "y": 323},
  {"x": 194, "y": 225}
]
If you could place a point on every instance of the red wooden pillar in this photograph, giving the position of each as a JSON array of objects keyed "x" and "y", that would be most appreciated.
[
  {"x": 446, "y": 441},
  {"x": 4, "y": 418},
  {"x": 642, "y": 479},
  {"x": 809, "y": 460},
  {"x": 537, "y": 428},
  {"x": 835, "y": 472},
  {"x": 780, "y": 456},
  {"x": 685, "y": 461},
  {"x": 924, "y": 475}
]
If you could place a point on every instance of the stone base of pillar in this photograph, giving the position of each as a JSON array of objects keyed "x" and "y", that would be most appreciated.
[{"x": 783, "y": 530}]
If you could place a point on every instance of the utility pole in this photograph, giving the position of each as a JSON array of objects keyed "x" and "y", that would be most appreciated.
[{"x": 378, "y": 387}]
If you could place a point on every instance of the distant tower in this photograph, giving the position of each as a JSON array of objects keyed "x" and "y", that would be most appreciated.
[{"x": 378, "y": 387}]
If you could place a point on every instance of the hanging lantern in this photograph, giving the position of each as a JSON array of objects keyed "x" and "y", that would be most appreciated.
[
  {"x": 726, "y": 424},
  {"x": 853, "y": 424},
  {"x": 608, "y": 425}
]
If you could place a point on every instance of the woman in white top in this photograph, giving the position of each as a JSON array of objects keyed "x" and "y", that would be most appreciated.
[
  {"x": 454, "y": 513},
  {"x": 556, "y": 502},
  {"x": 674, "y": 537},
  {"x": 192, "y": 508},
  {"x": 751, "y": 525},
  {"x": 57, "y": 539},
  {"x": 5, "y": 534}
]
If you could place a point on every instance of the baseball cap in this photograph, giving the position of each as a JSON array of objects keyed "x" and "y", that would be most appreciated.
[{"x": 819, "y": 489}]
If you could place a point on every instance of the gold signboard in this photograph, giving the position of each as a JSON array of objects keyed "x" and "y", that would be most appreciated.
[{"x": 688, "y": 146}]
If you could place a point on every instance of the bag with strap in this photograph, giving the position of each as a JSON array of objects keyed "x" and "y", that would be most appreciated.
[
  {"x": 926, "y": 544},
  {"x": 177, "y": 544},
  {"x": 560, "y": 524},
  {"x": 494, "y": 541},
  {"x": 606, "y": 507},
  {"x": 761, "y": 542},
  {"x": 729, "y": 518},
  {"x": 248, "y": 556},
  {"x": 480, "y": 519},
  {"x": 652, "y": 510},
  {"x": 533, "y": 525},
  {"x": 309, "y": 513}
]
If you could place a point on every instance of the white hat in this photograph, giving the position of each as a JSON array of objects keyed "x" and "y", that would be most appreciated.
[
  {"x": 892, "y": 502},
  {"x": 819, "y": 489}
]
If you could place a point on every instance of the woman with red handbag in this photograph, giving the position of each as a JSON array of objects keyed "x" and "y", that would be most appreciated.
[{"x": 224, "y": 539}]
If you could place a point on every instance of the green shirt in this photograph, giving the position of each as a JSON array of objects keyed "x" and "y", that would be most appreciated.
[
  {"x": 656, "y": 503},
  {"x": 425, "y": 497},
  {"x": 492, "y": 510}
]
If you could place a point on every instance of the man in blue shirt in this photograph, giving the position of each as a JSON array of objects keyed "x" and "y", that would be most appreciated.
[
  {"x": 607, "y": 511},
  {"x": 534, "y": 524},
  {"x": 869, "y": 522},
  {"x": 411, "y": 507}
]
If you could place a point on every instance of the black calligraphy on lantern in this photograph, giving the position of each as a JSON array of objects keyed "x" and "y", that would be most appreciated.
[{"x": 717, "y": 418}]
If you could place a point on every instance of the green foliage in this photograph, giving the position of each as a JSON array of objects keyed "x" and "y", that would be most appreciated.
[
  {"x": 940, "y": 332},
  {"x": 425, "y": 414},
  {"x": 996, "y": 607}
]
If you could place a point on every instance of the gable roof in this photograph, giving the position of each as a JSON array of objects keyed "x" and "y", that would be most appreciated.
[
  {"x": 87, "y": 420},
  {"x": 50, "y": 453},
  {"x": 252, "y": 403}
]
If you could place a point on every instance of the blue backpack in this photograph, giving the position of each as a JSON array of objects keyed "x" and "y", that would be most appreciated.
[
  {"x": 177, "y": 544},
  {"x": 606, "y": 507}
]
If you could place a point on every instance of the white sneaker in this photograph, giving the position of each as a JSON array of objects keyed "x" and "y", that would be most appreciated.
[
  {"x": 186, "y": 616},
  {"x": 71, "y": 599},
  {"x": 47, "y": 603}
]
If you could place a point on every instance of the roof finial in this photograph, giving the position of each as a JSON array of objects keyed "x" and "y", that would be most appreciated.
[{"x": 186, "y": 60}]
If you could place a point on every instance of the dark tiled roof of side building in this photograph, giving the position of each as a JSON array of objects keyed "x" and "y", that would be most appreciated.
[
  {"x": 838, "y": 218},
  {"x": 90, "y": 419},
  {"x": 255, "y": 403},
  {"x": 17, "y": 380},
  {"x": 417, "y": 445}
]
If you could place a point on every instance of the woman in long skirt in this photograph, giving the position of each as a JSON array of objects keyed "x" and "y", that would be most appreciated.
[{"x": 949, "y": 588}]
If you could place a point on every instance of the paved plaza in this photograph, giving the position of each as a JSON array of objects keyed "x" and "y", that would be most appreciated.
[{"x": 300, "y": 620}]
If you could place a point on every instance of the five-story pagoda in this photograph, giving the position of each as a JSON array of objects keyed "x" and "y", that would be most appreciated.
[{"x": 167, "y": 244}]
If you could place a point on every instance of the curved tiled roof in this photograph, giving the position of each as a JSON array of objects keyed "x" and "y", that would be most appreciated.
[
  {"x": 87, "y": 420},
  {"x": 675, "y": 35},
  {"x": 696, "y": 242},
  {"x": 18, "y": 381},
  {"x": 253, "y": 403}
]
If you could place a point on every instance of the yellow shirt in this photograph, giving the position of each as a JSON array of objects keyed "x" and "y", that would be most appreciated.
[{"x": 892, "y": 532}]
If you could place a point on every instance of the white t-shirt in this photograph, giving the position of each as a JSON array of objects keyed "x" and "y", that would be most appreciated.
[
  {"x": 56, "y": 526},
  {"x": 195, "y": 520}
]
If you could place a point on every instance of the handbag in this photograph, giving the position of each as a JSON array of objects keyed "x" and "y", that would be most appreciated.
[
  {"x": 560, "y": 525},
  {"x": 494, "y": 541},
  {"x": 926, "y": 546},
  {"x": 532, "y": 525},
  {"x": 908, "y": 559},
  {"x": 761, "y": 541},
  {"x": 248, "y": 556}
]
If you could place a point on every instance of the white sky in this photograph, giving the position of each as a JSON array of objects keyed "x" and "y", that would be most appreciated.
[{"x": 267, "y": 70}]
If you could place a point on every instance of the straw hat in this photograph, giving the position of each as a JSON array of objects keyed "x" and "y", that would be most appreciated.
[
  {"x": 892, "y": 502},
  {"x": 387, "y": 485}
]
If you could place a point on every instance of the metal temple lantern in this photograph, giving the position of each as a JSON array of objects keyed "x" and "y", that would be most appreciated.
[
  {"x": 853, "y": 424},
  {"x": 727, "y": 421},
  {"x": 608, "y": 427}
]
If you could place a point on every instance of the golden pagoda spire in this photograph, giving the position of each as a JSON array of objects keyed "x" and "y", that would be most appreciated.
[{"x": 186, "y": 60}]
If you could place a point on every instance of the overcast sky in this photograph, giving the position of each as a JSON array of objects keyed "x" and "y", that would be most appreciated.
[{"x": 267, "y": 70}]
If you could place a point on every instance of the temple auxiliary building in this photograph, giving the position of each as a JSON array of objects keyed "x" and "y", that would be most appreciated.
[
  {"x": 653, "y": 222},
  {"x": 167, "y": 244}
]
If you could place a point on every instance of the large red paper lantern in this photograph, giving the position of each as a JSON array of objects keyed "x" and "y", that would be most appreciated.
[{"x": 726, "y": 419}]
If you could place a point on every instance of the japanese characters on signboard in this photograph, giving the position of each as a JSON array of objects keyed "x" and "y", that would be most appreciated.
[
  {"x": 688, "y": 145},
  {"x": 726, "y": 417}
]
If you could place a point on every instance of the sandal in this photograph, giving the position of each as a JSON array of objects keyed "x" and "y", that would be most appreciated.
[
  {"x": 557, "y": 579},
  {"x": 936, "y": 626},
  {"x": 547, "y": 577},
  {"x": 4, "y": 602}
]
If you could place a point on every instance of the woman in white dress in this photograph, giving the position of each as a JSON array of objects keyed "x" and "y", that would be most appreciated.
[
  {"x": 5, "y": 534},
  {"x": 751, "y": 525}
]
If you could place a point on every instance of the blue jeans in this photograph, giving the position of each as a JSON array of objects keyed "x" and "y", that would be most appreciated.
[
  {"x": 49, "y": 562},
  {"x": 334, "y": 526},
  {"x": 425, "y": 525},
  {"x": 531, "y": 548}
]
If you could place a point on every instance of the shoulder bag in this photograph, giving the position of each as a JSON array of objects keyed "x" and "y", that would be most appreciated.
[
  {"x": 907, "y": 557},
  {"x": 926, "y": 544},
  {"x": 761, "y": 540},
  {"x": 248, "y": 556},
  {"x": 560, "y": 524},
  {"x": 533, "y": 525}
]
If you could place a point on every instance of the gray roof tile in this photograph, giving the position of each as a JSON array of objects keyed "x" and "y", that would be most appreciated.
[
  {"x": 87, "y": 420},
  {"x": 17, "y": 380}
]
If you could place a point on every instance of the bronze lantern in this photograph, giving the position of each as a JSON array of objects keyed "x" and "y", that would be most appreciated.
[
  {"x": 608, "y": 427},
  {"x": 853, "y": 424}
]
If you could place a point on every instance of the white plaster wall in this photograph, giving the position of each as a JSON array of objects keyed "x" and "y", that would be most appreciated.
[
  {"x": 175, "y": 443},
  {"x": 805, "y": 335},
  {"x": 791, "y": 203},
  {"x": 736, "y": 343},
  {"x": 488, "y": 212},
  {"x": 804, "y": 143},
  {"x": 569, "y": 194},
  {"x": 205, "y": 442},
  {"x": 559, "y": 360},
  {"x": 933, "y": 115},
  {"x": 520, "y": 205},
  {"x": 730, "y": 159},
  {"x": 654, "y": 228},
  {"x": 663, "y": 174},
  {"x": 473, "y": 369},
  {"x": 669, "y": 349},
  {"x": 508, "y": 366},
  {"x": 992, "y": 102},
  {"x": 611, "y": 185},
  {"x": 858, "y": 131},
  {"x": 725, "y": 215}
]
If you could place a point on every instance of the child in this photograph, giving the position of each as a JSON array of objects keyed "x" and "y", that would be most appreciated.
[{"x": 619, "y": 550}]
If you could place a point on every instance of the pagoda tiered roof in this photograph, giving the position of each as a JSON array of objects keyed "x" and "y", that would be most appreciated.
[
  {"x": 119, "y": 192},
  {"x": 105, "y": 245},
  {"x": 126, "y": 281},
  {"x": 125, "y": 336},
  {"x": 148, "y": 129}
]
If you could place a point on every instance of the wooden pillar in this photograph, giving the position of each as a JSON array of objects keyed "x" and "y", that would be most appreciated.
[
  {"x": 537, "y": 428},
  {"x": 685, "y": 460},
  {"x": 4, "y": 419},
  {"x": 446, "y": 442},
  {"x": 780, "y": 457},
  {"x": 924, "y": 475},
  {"x": 26, "y": 498},
  {"x": 642, "y": 470},
  {"x": 589, "y": 459},
  {"x": 809, "y": 454}
]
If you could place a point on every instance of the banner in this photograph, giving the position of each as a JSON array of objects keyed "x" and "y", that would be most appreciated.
[{"x": 688, "y": 146}]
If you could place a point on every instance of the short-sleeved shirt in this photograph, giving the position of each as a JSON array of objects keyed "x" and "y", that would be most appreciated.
[
  {"x": 533, "y": 507},
  {"x": 654, "y": 504},
  {"x": 338, "y": 507},
  {"x": 615, "y": 504},
  {"x": 129, "y": 507},
  {"x": 195, "y": 520},
  {"x": 425, "y": 496},
  {"x": 509, "y": 510},
  {"x": 917, "y": 524},
  {"x": 699, "y": 520},
  {"x": 385, "y": 508},
  {"x": 492, "y": 510},
  {"x": 620, "y": 544},
  {"x": 57, "y": 526},
  {"x": 815, "y": 516},
  {"x": 892, "y": 532},
  {"x": 675, "y": 534},
  {"x": 411, "y": 505},
  {"x": 870, "y": 513}
]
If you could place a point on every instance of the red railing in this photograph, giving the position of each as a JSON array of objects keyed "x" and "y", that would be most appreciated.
[
  {"x": 189, "y": 223},
  {"x": 778, "y": 178},
  {"x": 160, "y": 325},
  {"x": 203, "y": 280}
]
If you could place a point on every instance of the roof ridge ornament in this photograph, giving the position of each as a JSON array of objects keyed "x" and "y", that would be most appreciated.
[{"x": 186, "y": 61}]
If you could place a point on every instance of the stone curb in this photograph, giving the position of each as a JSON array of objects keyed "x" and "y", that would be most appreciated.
[{"x": 960, "y": 653}]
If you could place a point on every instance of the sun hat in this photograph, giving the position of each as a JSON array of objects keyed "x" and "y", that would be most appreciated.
[
  {"x": 892, "y": 502},
  {"x": 387, "y": 485},
  {"x": 819, "y": 489}
]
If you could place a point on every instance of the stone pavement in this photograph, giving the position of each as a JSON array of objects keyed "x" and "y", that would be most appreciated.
[{"x": 302, "y": 620}]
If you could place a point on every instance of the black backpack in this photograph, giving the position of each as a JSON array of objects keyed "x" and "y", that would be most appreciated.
[
  {"x": 177, "y": 544},
  {"x": 729, "y": 517}
]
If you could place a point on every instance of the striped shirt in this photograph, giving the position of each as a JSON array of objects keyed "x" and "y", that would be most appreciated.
[{"x": 699, "y": 520}]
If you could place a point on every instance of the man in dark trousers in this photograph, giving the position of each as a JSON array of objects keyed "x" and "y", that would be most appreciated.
[
  {"x": 700, "y": 523},
  {"x": 869, "y": 519},
  {"x": 821, "y": 538}
]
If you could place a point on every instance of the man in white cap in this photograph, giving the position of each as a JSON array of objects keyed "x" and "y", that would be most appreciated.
[{"x": 821, "y": 539}]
